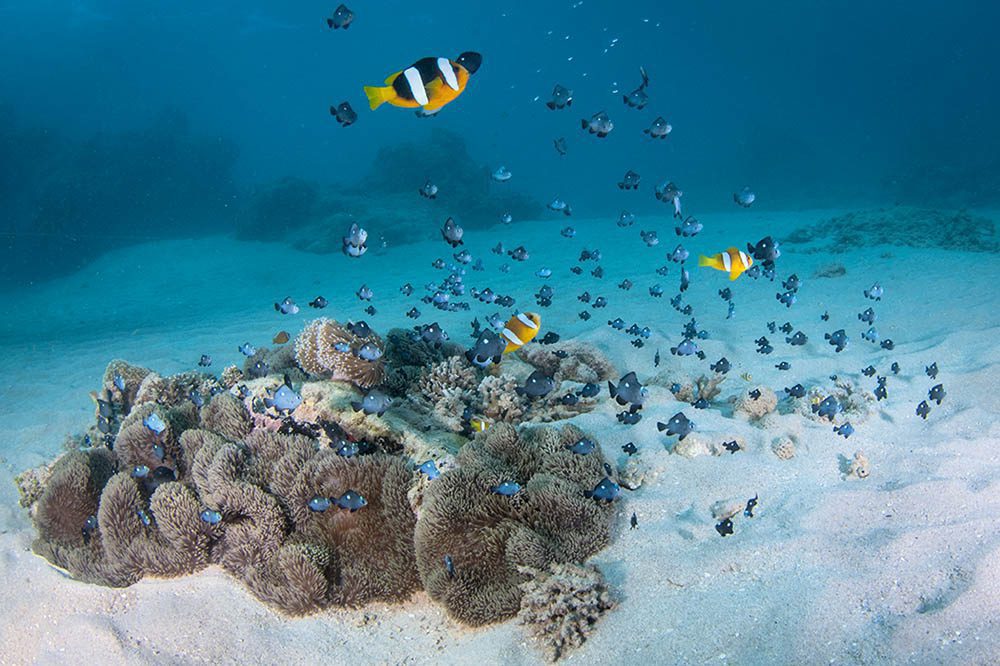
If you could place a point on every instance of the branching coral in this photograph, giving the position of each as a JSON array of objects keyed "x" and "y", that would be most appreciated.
[
  {"x": 445, "y": 377},
  {"x": 175, "y": 389},
  {"x": 487, "y": 537},
  {"x": 856, "y": 403},
  {"x": 562, "y": 604},
  {"x": 231, "y": 376},
  {"x": 500, "y": 402},
  {"x": 704, "y": 387},
  {"x": 317, "y": 354}
]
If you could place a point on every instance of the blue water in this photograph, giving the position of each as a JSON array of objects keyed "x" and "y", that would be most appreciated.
[{"x": 122, "y": 122}]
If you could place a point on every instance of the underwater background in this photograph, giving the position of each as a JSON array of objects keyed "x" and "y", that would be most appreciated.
[
  {"x": 124, "y": 123},
  {"x": 175, "y": 197}
]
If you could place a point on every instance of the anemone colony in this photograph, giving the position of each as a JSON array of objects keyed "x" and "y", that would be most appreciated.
[{"x": 321, "y": 506}]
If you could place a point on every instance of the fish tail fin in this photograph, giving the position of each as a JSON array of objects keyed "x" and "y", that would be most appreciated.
[
  {"x": 378, "y": 95},
  {"x": 706, "y": 261}
]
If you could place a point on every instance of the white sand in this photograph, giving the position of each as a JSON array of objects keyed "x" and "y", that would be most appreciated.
[{"x": 903, "y": 566}]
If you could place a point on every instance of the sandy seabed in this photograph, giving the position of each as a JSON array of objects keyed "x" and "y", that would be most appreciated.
[{"x": 902, "y": 566}]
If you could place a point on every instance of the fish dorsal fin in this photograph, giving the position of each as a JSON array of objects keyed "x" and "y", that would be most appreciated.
[{"x": 392, "y": 77}]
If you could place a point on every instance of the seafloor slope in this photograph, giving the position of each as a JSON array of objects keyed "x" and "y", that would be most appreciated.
[{"x": 902, "y": 565}]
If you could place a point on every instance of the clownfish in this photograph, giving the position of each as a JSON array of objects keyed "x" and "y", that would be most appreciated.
[
  {"x": 520, "y": 330},
  {"x": 732, "y": 261},
  {"x": 429, "y": 83}
]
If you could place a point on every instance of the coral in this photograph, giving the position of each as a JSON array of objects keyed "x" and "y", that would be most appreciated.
[
  {"x": 340, "y": 558},
  {"x": 783, "y": 447},
  {"x": 756, "y": 409},
  {"x": 231, "y": 376},
  {"x": 489, "y": 536},
  {"x": 701, "y": 444},
  {"x": 280, "y": 360},
  {"x": 444, "y": 377},
  {"x": 726, "y": 508},
  {"x": 316, "y": 355},
  {"x": 584, "y": 363},
  {"x": 402, "y": 349},
  {"x": 450, "y": 406},
  {"x": 175, "y": 389},
  {"x": 561, "y": 605},
  {"x": 634, "y": 472},
  {"x": 175, "y": 542},
  {"x": 859, "y": 467},
  {"x": 910, "y": 227},
  {"x": 62, "y": 513},
  {"x": 551, "y": 408},
  {"x": 703, "y": 387},
  {"x": 499, "y": 400},
  {"x": 856, "y": 402},
  {"x": 31, "y": 483}
]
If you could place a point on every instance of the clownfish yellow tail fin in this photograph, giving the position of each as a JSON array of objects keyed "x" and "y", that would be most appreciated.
[
  {"x": 377, "y": 96},
  {"x": 707, "y": 261}
]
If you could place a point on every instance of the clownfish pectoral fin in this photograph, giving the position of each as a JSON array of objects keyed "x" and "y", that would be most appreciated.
[
  {"x": 378, "y": 96},
  {"x": 735, "y": 273}
]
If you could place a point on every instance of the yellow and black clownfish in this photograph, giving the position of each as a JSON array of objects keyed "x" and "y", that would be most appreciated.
[
  {"x": 520, "y": 330},
  {"x": 429, "y": 83},
  {"x": 732, "y": 261}
]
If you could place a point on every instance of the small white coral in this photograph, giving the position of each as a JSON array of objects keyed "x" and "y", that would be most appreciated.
[
  {"x": 561, "y": 605},
  {"x": 446, "y": 376},
  {"x": 756, "y": 408},
  {"x": 859, "y": 467},
  {"x": 231, "y": 376},
  {"x": 702, "y": 444},
  {"x": 783, "y": 447},
  {"x": 500, "y": 401},
  {"x": 450, "y": 406}
]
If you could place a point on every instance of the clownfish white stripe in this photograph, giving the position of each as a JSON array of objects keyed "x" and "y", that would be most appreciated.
[
  {"x": 512, "y": 337},
  {"x": 521, "y": 317},
  {"x": 416, "y": 85},
  {"x": 727, "y": 261},
  {"x": 444, "y": 65},
  {"x": 745, "y": 259}
]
